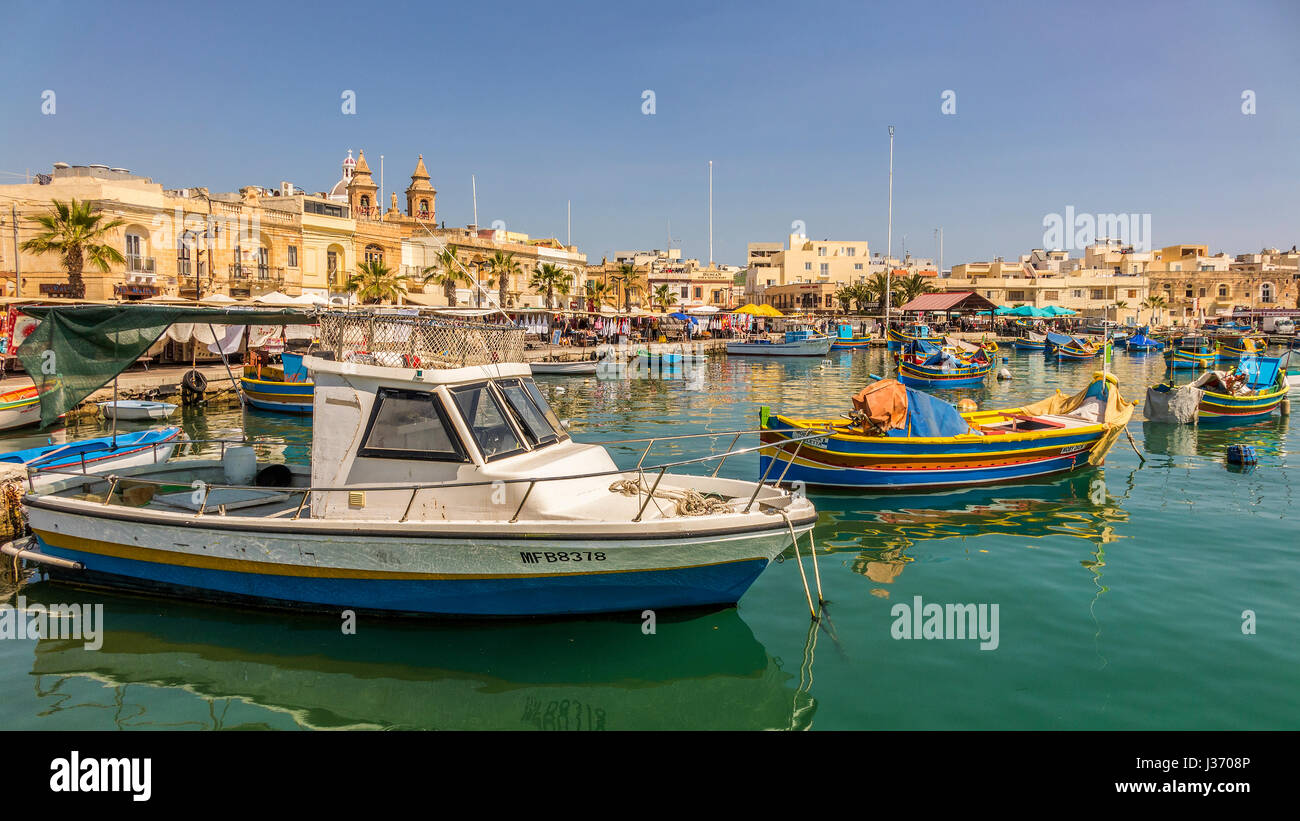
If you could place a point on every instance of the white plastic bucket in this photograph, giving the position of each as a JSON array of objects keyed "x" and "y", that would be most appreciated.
[{"x": 240, "y": 464}]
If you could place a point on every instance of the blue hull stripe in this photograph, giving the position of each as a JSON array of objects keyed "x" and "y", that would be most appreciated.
[
  {"x": 885, "y": 479},
  {"x": 561, "y": 594}
]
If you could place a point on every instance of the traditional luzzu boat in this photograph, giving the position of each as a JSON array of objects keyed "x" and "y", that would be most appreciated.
[
  {"x": 1190, "y": 351},
  {"x": 1248, "y": 393},
  {"x": 923, "y": 365},
  {"x": 1030, "y": 341},
  {"x": 900, "y": 438},
  {"x": 1140, "y": 342},
  {"x": 846, "y": 341},
  {"x": 1064, "y": 346},
  {"x": 1232, "y": 346},
  {"x": 799, "y": 342},
  {"x": 916, "y": 332},
  {"x": 20, "y": 408},
  {"x": 287, "y": 389},
  {"x": 445, "y": 489}
]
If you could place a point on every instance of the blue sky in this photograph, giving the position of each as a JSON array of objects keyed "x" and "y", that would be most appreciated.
[{"x": 1109, "y": 107}]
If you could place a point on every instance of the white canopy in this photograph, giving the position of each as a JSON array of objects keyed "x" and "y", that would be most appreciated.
[
  {"x": 276, "y": 298},
  {"x": 702, "y": 309}
]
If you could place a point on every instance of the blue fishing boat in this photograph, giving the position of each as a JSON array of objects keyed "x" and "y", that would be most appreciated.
[
  {"x": 900, "y": 438},
  {"x": 1190, "y": 351},
  {"x": 1248, "y": 393},
  {"x": 916, "y": 332},
  {"x": 846, "y": 341},
  {"x": 924, "y": 365},
  {"x": 286, "y": 389},
  {"x": 1030, "y": 341},
  {"x": 1064, "y": 346},
  {"x": 1140, "y": 342},
  {"x": 1234, "y": 346},
  {"x": 144, "y": 447}
]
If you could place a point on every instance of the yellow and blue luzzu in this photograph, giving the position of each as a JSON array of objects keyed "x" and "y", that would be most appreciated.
[
  {"x": 292, "y": 394},
  {"x": 938, "y": 448},
  {"x": 924, "y": 365},
  {"x": 1192, "y": 351},
  {"x": 1264, "y": 376}
]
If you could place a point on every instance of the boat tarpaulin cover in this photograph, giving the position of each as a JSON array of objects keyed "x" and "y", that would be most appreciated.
[
  {"x": 1099, "y": 402},
  {"x": 78, "y": 349},
  {"x": 927, "y": 416},
  {"x": 1177, "y": 405},
  {"x": 893, "y": 409}
]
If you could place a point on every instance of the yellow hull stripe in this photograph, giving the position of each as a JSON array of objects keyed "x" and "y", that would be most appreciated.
[{"x": 169, "y": 557}]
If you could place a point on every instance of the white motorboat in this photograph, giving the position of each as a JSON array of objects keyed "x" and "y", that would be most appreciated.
[
  {"x": 450, "y": 488},
  {"x": 801, "y": 342},
  {"x": 581, "y": 367},
  {"x": 136, "y": 410},
  {"x": 51, "y": 463}
]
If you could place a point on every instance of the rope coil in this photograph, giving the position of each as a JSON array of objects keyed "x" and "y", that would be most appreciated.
[{"x": 688, "y": 502}]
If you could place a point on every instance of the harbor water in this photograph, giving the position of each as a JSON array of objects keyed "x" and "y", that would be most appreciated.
[{"x": 1155, "y": 595}]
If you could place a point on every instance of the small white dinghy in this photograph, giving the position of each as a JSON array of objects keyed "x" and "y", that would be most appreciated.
[
  {"x": 135, "y": 409},
  {"x": 582, "y": 367}
]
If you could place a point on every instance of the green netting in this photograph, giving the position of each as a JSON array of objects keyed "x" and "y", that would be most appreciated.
[{"x": 77, "y": 350}]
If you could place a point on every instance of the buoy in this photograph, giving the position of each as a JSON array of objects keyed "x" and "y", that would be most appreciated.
[
  {"x": 967, "y": 405},
  {"x": 1005, "y": 360},
  {"x": 1004, "y": 374},
  {"x": 1242, "y": 455}
]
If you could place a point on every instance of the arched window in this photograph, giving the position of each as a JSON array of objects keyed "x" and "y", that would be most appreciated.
[
  {"x": 365, "y": 201},
  {"x": 374, "y": 253},
  {"x": 1223, "y": 289},
  {"x": 424, "y": 208},
  {"x": 1266, "y": 292}
]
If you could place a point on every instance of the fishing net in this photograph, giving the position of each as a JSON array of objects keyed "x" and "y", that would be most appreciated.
[{"x": 412, "y": 341}]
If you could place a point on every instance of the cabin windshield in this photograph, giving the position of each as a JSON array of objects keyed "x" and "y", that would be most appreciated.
[
  {"x": 410, "y": 425},
  {"x": 487, "y": 421},
  {"x": 531, "y": 416}
]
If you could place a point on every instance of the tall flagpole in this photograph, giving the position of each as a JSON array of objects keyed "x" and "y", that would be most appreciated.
[
  {"x": 568, "y": 240},
  {"x": 474, "y": 189},
  {"x": 889, "y": 239},
  {"x": 710, "y": 213}
]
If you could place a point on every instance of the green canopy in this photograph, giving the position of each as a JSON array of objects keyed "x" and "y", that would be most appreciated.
[
  {"x": 1053, "y": 310},
  {"x": 78, "y": 349}
]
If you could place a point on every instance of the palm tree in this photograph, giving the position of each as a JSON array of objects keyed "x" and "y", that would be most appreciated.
[
  {"x": 628, "y": 281},
  {"x": 664, "y": 296},
  {"x": 1120, "y": 305},
  {"x": 550, "y": 278},
  {"x": 374, "y": 283},
  {"x": 76, "y": 231},
  {"x": 910, "y": 287},
  {"x": 845, "y": 296},
  {"x": 446, "y": 271},
  {"x": 599, "y": 292},
  {"x": 503, "y": 266},
  {"x": 878, "y": 284},
  {"x": 1155, "y": 303}
]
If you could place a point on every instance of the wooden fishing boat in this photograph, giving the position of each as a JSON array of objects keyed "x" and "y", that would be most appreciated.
[
  {"x": 51, "y": 463},
  {"x": 916, "y": 332},
  {"x": 796, "y": 343},
  {"x": 1232, "y": 346},
  {"x": 1140, "y": 342},
  {"x": 457, "y": 491},
  {"x": 846, "y": 341},
  {"x": 1248, "y": 393},
  {"x": 900, "y": 438},
  {"x": 134, "y": 410},
  {"x": 1030, "y": 341},
  {"x": 20, "y": 408},
  {"x": 286, "y": 389},
  {"x": 1190, "y": 351},
  {"x": 923, "y": 365},
  {"x": 1065, "y": 346},
  {"x": 990, "y": 345}
]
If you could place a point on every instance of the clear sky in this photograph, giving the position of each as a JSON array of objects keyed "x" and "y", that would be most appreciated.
[{"x": 1106, "y": 107}]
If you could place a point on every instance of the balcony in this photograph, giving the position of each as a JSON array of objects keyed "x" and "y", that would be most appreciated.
[
  {"x": 260, "y": 274},
  {"x": 139, "y": 265}
]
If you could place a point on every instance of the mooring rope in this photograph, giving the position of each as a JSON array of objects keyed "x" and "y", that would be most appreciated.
[
  {"x": 811, "y": 610},
  {"x": 688, "y": 502}
]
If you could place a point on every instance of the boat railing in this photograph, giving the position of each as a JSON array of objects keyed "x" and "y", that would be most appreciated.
[{"x": 415, "y": 487}]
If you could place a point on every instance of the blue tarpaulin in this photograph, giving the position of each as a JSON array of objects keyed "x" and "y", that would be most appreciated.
[{"x": 927, "y": 416}]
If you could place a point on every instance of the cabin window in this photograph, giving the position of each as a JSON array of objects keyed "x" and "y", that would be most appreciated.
[
  {"x": 410, "y": 425},
  {"x": 487, "y": 421},
  {"x": 531, "y": 418}
]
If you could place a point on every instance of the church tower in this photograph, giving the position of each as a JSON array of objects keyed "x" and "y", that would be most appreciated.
[
  {"x": 362, "y": 190},
  {"x": 420, "y": 195}
]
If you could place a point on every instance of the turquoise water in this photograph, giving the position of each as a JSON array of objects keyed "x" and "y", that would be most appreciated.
[{"x": 1120, "y": 593}]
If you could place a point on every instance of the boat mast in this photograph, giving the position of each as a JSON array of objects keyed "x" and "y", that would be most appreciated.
[{"x": 889, "y": 234}]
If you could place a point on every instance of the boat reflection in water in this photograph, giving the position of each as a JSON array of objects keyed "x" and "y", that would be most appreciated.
[
  {"x": 695, "y": 672},
  {"x": 1268, "y": 437},
  {"x": 882, "y": 528}
]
